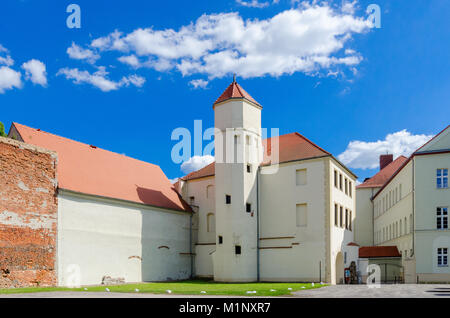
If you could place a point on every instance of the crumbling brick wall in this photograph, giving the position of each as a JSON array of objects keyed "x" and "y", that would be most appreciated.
[{"x": 28, "y": 215}]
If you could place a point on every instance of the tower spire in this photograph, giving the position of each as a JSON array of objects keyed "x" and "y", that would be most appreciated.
[{"x": 234, "y": 78}]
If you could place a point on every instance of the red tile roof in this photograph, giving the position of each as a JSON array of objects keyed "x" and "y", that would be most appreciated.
[
  {"x": 417, "y": 152},
  {"x": 209, "y": 170},
  {"x": 384, "y": 174},
  {"x": 292, "y": 147},
  {"x": 378, "y": 251},
  {"x": 91, "y": 170},
  {"x": 234, "y": 90}
]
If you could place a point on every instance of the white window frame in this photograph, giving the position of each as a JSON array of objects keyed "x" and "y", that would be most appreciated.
[
  {"x": 442, "y": 176},
  {"x": 442, "y": 216},
  {"x": 442, "y": 257}
]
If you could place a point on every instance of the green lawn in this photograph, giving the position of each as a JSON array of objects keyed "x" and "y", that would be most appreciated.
[{"x": 192, "y": 287}]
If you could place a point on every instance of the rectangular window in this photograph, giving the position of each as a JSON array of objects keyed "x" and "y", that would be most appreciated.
[
  {"x": 442, "y": 178},
  {"x": 248, "y": 207},
  {"x": 340, "y": 181},
  {"x": 300, "y": 177},
  {"x": 301, "y": 215},
  {"x": 220, "y": 239},
  {"x": 350, "y": 221},
  {"x": 228, "y": 199},
  {"x": 341, "y": 212},
  {"x": 237, "y": 250},
  {"x": 442, "y": 256},
  {"x": 350, "y": 188},
  {"x": 249, "y": 168},
  {"x": 335, "y": 178},
  {"x": 346, "y": 219},
  {"x": 442, "y": 218},
  {"x": 336, "y": 215},
  {"x": 346, "y": 186},
  {"x": 191, "y": 200}
]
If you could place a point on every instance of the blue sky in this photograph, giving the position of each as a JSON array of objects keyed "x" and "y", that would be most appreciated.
[{"x": 363, "y": 83}]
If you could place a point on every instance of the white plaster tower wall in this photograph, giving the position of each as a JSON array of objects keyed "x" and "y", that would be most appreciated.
[{"x": 238, "y": 134}]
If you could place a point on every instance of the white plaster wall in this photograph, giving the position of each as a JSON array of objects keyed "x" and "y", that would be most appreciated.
[
  {"x": 428, "y": 197},
  {"x": 279, "y": 196},
  {"x": 111, "y": 238},
  {"x": 396, "y": 211},
  {"x": 233, "y": 223},
  {"x": 364, "y": 216},
  {"x": 340, "y": 237},
  {"x": 203, "y": 191}
]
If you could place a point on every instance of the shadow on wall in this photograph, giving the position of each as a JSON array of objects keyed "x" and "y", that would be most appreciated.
[{"x": 164, "y": 241}]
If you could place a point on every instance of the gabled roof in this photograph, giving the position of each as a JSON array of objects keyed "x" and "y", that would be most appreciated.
[
  {"x": 91, "y": 170},
  {"x": 234, "y": 90},
  {"x": 378, "y": 251},
  {"x": 419, "y": 151},
  {"x": 292, "y": 147},
  {"x": 384, "y": 174}
]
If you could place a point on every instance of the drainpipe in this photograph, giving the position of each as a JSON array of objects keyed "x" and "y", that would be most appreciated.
[
  {"x": 413, "y": 230},
  {"x": 373, "y": 220},
  {"x": 190, "y": 246},
  {"x": 257, "y": 225}
]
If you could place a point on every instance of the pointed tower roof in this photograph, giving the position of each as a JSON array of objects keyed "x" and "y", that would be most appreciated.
[{"x": 235, "y": 91}]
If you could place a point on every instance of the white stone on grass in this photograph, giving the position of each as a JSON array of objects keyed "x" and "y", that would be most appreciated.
[
  {"x": 251, "y": 292},
  {"x": 136, "y": 290},
  {"x": 202, "y": 292},
  {"x": 107, "y": 289},
  {"x": 272, "y": 290},
  {"x": 169, "y": 291}
]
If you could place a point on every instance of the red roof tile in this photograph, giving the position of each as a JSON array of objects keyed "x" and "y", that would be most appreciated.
[
  {"x": 379, "y": 179},
  {"x": 234, "y": 90},
  {"x": 292, "y": 147},
  {"x": 378, "y": 251},
  {"x": 91, "y": 170}
]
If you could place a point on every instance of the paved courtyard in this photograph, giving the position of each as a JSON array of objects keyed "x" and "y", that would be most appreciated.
[
  {"x": 385, "y": 291},
  {"x": 338, "y": 291}
]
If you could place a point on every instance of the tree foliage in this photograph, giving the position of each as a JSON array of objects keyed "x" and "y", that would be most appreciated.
[{"x": 2, "y": 130}]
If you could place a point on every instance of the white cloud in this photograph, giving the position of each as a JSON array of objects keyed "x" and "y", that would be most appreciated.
[
  {"x": 174, "y": 180},
  {"x": 78, "y": 53},
  {"x": 8, "y": 61},
  {"x": 35, "y": 71},
  {"x": 253, "y": 3},
  {"x": 308, "y": 39},
  {"x": 131, "y": 60},
  {"x": 3, "y": 49},
  {"x": 195, "y": 163},
  {"x": 99, "y": 79},
  {"x": 365, "y": 155},
  {"x": 199, "y": 83},
  {"x": 9, "y": 79}
]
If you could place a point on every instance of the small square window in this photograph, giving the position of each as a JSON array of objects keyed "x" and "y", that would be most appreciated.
[
  {"x": 228, "y": 199},
  {"x": 237, "y": 250},
  {"x": 220, "y": 239},
  {"x": 248, "y": 207},
  {"x": 249, "y": 168}
]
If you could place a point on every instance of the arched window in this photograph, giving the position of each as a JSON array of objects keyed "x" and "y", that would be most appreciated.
[{"x": 210, "y": 223}]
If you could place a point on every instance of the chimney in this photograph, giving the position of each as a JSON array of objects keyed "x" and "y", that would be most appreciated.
[{"x": 385, "y": 160}]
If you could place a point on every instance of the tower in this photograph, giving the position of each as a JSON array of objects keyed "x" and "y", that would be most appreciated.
[{"x": 237, "y": 150}]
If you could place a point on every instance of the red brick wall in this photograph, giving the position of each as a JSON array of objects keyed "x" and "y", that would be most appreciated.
[{"x": 28, "y": 215}]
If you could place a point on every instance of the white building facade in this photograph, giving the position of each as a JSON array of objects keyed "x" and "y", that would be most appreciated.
[{"x": 288, "y": 220}]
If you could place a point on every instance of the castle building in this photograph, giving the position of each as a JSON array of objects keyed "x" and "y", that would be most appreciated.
[
  {"x": 280, "y": 217},
  {"x": 403, "y": 213},
  {"x": 276, "y": 209}
]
